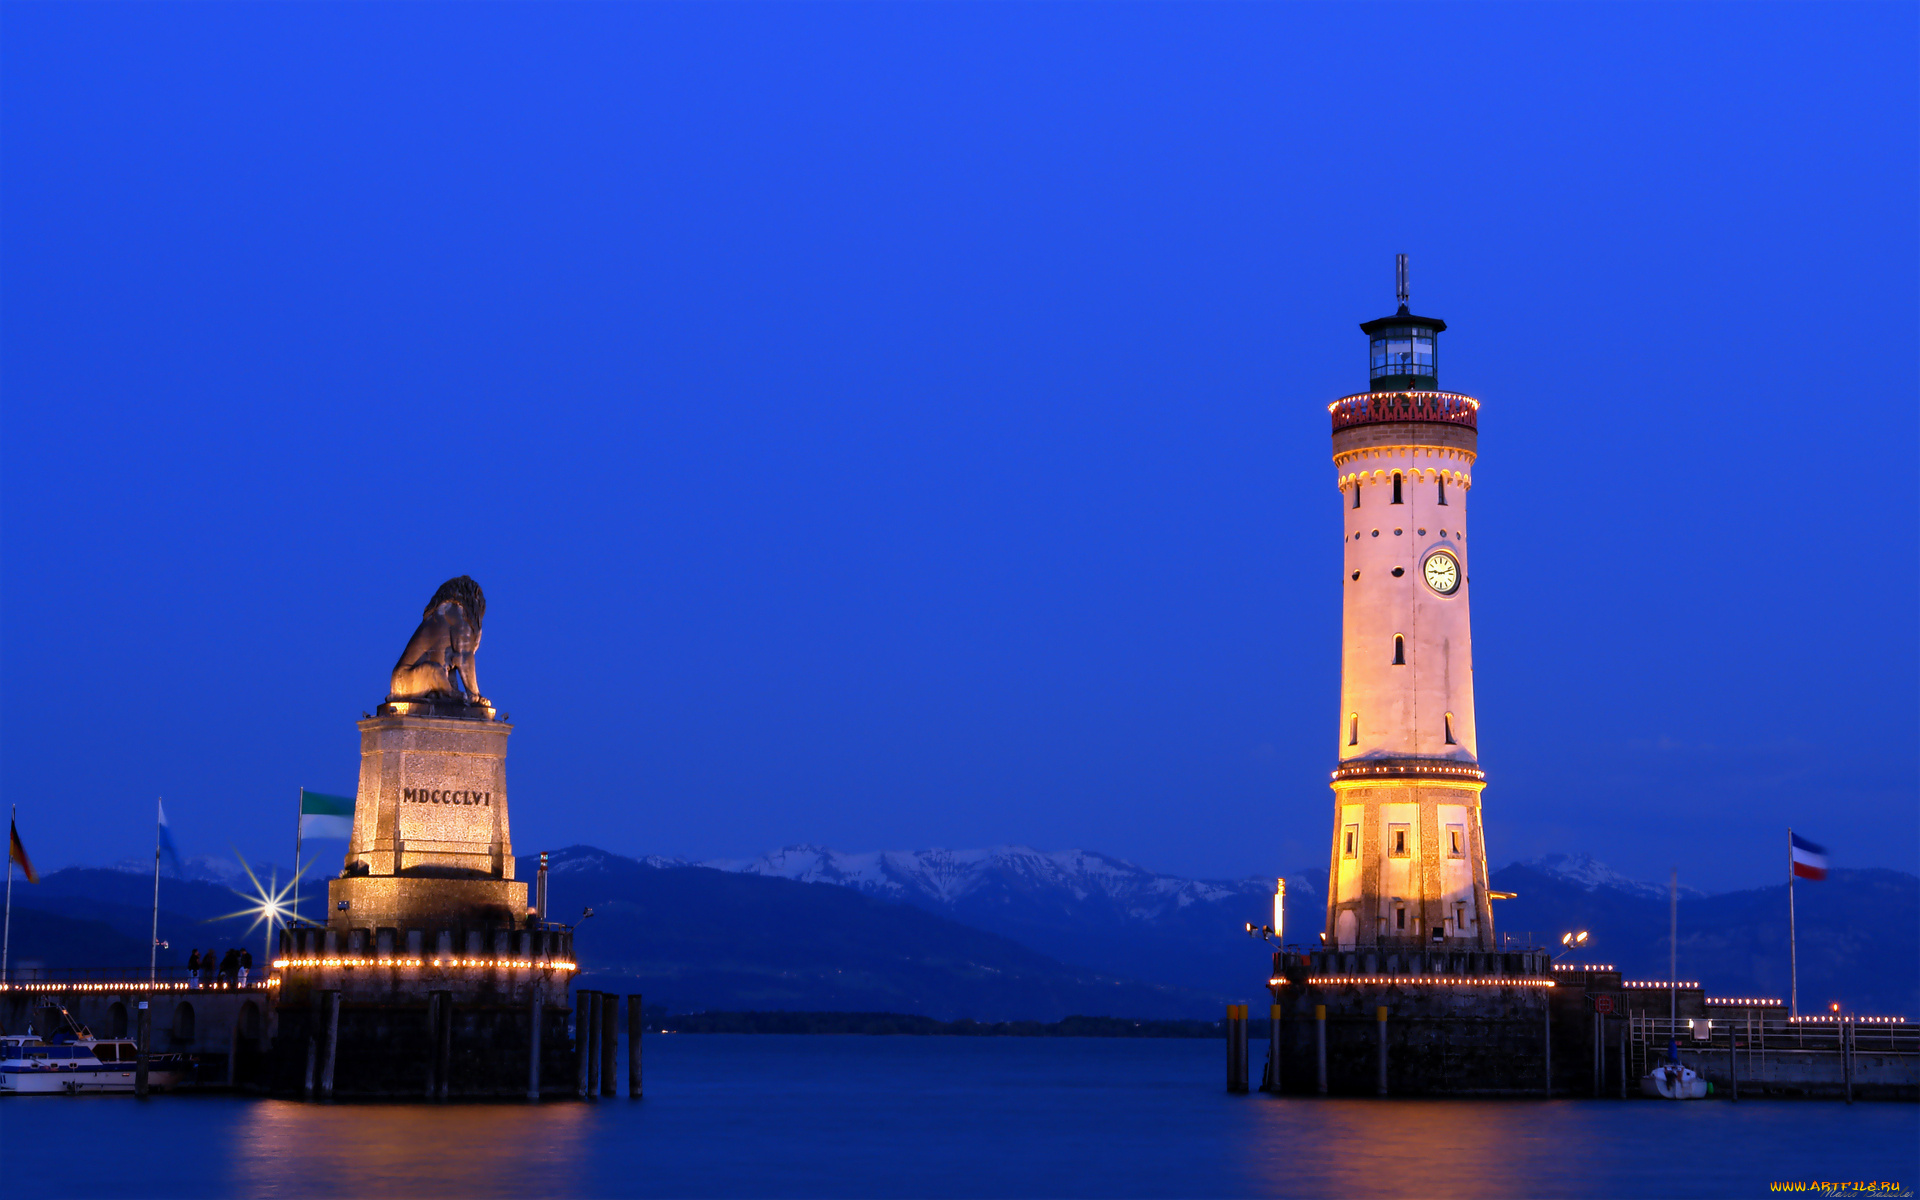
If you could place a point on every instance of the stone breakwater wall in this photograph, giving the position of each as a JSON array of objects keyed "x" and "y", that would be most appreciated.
[
  {"x": 452, "y": 1009},
  {"x": 1457, "y": 1023}
]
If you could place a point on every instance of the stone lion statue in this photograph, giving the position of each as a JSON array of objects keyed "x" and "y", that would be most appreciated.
[{"x": 442, "y": 649}]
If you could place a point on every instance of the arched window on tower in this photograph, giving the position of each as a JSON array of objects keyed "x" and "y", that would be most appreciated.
[
  {"x": 1443, "y": 488},
  {"x": 1449, "y": 724},
  {"x": 1396, "y": 487},
  {"x": 1356, "y": 491},
  {"x": 1399, "y": 650},
  {"x": 1353, "y": 729}
]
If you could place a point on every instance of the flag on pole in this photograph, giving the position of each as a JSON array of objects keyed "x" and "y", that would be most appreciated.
[
  {"x": 1809, "y": 860},
  {"x": 18, "y": 853},
  {"x": 325, "y": 816},
  {"x": 167, "y": 851}
]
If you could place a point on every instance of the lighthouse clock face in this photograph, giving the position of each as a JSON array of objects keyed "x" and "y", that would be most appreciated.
[{"x": 1443, "y": 573}]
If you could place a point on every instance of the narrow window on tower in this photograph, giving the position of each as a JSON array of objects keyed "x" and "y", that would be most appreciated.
[
  {"x": 1399, "y": 650},
  {"x": 1400, "y": 917},
  {"x": 1449, "y": 726},
  {"x": 1456, "y": 841},
  {"x": 1350, "y": 842},
  {"x": 1356, "y": 491},
  {"x": 1353, "y": 729},
  {"x": 1443, "y": 489},
  {"x": 1396, "y": 487},
  {"x": 1460, "y": 919},
  {"x": 1397, "y": 841}
]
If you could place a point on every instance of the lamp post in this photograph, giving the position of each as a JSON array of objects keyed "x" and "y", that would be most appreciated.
[{"x": 1571, "y": 941}]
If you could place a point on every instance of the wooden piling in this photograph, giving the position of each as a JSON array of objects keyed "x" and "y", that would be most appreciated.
[
  {"x": 333, "y": 1044},
  {"x": 1598, "y": 1056},
  {"x": 609, "y": 1043},
  {"x": 1546, "y": 1041},
  {"x": 443, "y": 1053},
  {"x": 146, "y": 1040},
  {"x": 1320, "y": 1046},
  {"x": 1380, "y": 1019},
  {"x": 433, "y": 1044},
  {"x": 1846, "y": 1057},
  {"x": 1733, "y": 1063},
  {"x": 1236, "y": 1029},
  {"x": 582, "y": 1035},
  {"x": 1272, "y": 1081},
  {"x": 635, "y": 1023},
  {"x": 594, "y": 1041},
  {"x": 538, "y": 1009}
]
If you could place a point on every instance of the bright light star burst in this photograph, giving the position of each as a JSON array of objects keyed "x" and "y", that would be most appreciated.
[{"x": 267, "y": 902}]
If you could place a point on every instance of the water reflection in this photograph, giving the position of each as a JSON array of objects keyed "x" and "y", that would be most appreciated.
[
  {"x": 1410, "y": 1147},
  {"x": 289, "y": 1148},
  {"x": 966, "y": 1118}
]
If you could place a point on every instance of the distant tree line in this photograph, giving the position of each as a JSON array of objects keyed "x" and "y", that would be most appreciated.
[{"x": 876, "y": 1024}]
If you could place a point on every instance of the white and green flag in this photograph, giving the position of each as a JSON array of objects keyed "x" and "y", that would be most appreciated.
[{"x": 325, "y": 816}]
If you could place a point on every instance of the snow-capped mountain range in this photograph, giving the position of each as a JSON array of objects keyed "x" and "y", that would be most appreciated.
[
  {"x": 215, "y": 868},
  {"x": 1593, "y": 875},
  {"x": 948, "y": 878}
]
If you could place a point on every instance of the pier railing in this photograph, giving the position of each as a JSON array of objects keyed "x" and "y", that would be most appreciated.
[
  {"x": 118, "y": 979},
  {"x": 1767, "y": 1042}
]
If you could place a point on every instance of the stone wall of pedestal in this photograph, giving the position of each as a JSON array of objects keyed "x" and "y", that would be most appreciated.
[
  {"x": 432, "y": 1011},
  {"x": 368, "y": 904},
  {"x": 432, "y": 799},
  {"x": 1457, "y": 1023}
]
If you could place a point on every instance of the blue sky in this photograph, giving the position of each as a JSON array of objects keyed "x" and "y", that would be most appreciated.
[{"x": 905, "y": 426}]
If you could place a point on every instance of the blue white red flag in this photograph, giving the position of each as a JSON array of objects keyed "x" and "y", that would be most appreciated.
[{"x": 1809, "y": 860}]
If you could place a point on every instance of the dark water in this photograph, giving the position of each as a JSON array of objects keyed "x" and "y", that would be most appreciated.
[{"x": 936, "y": 1116}]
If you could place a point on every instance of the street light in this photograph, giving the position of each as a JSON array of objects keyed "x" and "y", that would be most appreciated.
[{"x": 1572, "y": 942}]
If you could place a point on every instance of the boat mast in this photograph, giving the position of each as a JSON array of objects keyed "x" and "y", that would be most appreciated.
[{"x": 1673, "y": 950}]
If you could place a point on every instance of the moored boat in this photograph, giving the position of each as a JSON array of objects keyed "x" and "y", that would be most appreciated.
[
  {"x": 1671, "y": 1081},
  {"x": 30, "y": 1066}
]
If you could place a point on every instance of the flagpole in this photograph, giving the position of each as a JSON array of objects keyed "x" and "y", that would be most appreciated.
[
  {"x": 1793, "y": 933},
  {"x": 6, "y": 938},
  {"x": 1673, "y": 949},
  {"x": 153, "y": 946},
  {"x": 297, "y": 831}
]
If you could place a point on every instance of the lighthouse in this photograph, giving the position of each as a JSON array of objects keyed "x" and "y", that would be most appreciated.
[{"x": 1409, "y": 866}]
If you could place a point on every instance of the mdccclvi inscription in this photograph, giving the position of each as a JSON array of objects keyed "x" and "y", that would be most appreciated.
[{"x": 444, "y": 796}]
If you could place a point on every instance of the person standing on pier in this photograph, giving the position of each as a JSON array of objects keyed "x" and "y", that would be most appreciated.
[
  {"x": 246, "y": 964},
  {"x": 193, "y": 970}
]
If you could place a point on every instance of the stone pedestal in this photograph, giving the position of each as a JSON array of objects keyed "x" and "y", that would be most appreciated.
[{"x": 432, "y": 799}]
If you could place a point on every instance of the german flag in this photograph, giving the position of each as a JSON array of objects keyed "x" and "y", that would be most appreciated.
[{"x": 18, "y": 853}]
